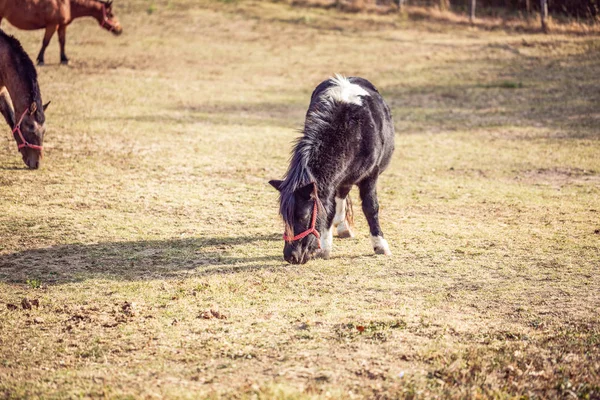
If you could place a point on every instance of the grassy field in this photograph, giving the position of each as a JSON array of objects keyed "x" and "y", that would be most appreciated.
[{"x": 144, "y": 259}]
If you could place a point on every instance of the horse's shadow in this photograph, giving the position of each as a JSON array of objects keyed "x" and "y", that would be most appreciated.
[{"x": 139, "y": 260}]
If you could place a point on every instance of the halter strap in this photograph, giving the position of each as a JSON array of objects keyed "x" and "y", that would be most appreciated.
[
  {"x": 311, "y": 230},
  {"x": 105, "y": 20},
  {"x": 24, "y": 143}
]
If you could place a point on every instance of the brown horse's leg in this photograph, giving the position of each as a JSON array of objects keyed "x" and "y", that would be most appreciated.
[
  {"x": 62, "y": 38},
  {"x": 50, "y": 29}
]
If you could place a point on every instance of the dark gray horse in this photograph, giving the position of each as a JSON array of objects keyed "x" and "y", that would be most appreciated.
[{"x": 348, "y": 140}]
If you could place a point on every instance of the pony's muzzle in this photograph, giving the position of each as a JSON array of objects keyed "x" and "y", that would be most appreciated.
[{"x": 295, "y": 256}]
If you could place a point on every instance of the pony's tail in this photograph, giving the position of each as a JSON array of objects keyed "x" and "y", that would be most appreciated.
[{"x": 349, "y": 212}]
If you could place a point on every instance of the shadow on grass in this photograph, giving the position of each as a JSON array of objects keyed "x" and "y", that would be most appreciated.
[{"x": 141, "y": 260}]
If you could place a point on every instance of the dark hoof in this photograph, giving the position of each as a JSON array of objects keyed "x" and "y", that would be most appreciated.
[
  {"x": 40, "y": 63},
  {"x": 64, "y": 62}
]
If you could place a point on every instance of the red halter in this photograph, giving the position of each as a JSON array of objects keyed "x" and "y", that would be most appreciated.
[
  {"x": 307, "y": 232},
  {"x": 24, "y": 143},
  {"x": 105, "y": 20}
]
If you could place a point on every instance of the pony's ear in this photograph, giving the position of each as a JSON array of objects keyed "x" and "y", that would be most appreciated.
[
  {"x": 32, "y": 108},
  {"x": 46, "y": 105},
  {"x": 305, "y": 192},
  {"x": 276, "y": 184}
]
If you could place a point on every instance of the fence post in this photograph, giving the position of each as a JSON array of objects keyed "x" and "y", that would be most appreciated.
[
  {"x": 401, "y": 5},
  {"x": 544, "y": 15}
]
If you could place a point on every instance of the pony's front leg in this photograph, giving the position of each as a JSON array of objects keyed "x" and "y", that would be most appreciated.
[
  {"x": 326, "y": 242},
  {"x": 50, "y": 29},
  {"x": 327, "y": 234},
  {"x": 370, "y": 206}
]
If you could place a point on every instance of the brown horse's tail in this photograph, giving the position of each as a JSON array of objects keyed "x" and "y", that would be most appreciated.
[{"x": 349, "y": 212}]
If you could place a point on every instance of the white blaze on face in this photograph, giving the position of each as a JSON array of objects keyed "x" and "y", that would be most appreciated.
[
  {"x": 345, "y": 91},
  {"x": 380, "y": 245}
]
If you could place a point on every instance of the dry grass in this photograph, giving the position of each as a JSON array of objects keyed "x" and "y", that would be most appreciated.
[{"x": 152, "y": 209}]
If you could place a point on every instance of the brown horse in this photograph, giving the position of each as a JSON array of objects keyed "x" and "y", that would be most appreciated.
[
  {"x": 19, "y": 88},
  {"x": 54, "y": 15}
]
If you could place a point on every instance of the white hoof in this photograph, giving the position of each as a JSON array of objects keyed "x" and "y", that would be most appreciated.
[
  {"x": 380, "y": 245},
  {"x": 379, "y": 250}
]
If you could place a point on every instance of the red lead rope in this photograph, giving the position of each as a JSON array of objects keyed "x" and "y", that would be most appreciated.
[
  {"x": 310, "y": 230},
  {"x": 24, "y": 143}
]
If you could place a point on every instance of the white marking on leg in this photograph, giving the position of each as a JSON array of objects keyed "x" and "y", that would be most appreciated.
[
  {"x": 326, "y": 243},
  {"x": 339, "y": 221},
  {"x": 380, "y": 245},
  {"x": 340, "y": 211}
]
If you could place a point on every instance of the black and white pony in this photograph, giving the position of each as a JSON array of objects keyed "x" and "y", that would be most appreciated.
[{"x": 348, "y": 140}]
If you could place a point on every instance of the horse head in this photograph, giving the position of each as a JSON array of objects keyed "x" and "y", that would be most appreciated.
[
  {"x": 109, "y": 21},
  {"x": 299, "y": 209},
  {"x": 29, "y": 133}
]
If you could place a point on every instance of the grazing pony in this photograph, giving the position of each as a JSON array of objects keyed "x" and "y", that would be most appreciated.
[
  {"x": 19, "y": 88},
  {"x": 54, "y": 15},
  {"x": 348, "y": 140}
]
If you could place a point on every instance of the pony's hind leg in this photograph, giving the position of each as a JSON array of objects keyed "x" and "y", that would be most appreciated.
[
  {"x": 343, "y": 213},
  {"x": 370, "y": 206}
]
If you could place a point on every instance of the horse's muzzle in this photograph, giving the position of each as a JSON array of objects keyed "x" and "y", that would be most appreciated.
[
  {"x": 32, "y": 162},
  {"x": 31, "y": 157},
  {"x": 298, "y": 256}
]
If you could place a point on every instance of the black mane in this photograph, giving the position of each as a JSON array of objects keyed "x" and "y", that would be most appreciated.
[
  {"x": 297, "y": 176},
  {"x": 305, "y": 147},
  {"x": 24, "y": 67}
]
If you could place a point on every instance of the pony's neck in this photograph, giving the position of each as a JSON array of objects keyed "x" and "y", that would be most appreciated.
[
  {"x": 306, "y": 171},
  {"x": 18, "y": 87},
  {"x": 320, "y": 159},
  {"x": 20, "y": 95},
  {"x": 86, "y": 8}
]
